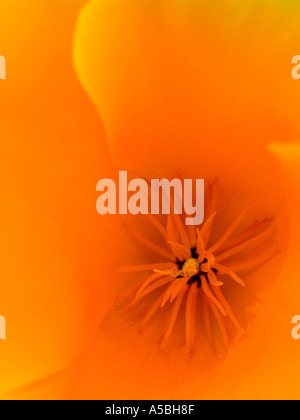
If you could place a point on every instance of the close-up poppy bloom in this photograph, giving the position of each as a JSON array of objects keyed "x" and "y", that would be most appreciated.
[{"x": 142, "y": 305}]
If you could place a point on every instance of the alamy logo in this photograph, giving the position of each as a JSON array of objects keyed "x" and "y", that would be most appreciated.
[
  {"x": 2, "y": 328},
  {"x": 155, "y": 197},
  {"x": 296, "y": 329},
  {"x": 296, "y": 69},
  {"x": 2, "y": 67}
]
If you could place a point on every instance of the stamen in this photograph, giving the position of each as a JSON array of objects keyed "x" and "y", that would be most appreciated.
[
  {"x": 206, "y": 318},
  {"x": 151, "y": 288},
  {"x": 161, "y": 251},
  {"x": 169, "y": 292},
  {"x": 203, "y": 254},
  {"x": 205, "y": 267},
  {"x": 180, "y": 251},
  {"x": 229, "y": 231},
  {"x": 236, "y": 278},
  {"x": 151, "y": 313},
  {"x": 173, "y": 272},
  {"x": 213, "y": 279},
  {"x": 227, "y": 270},
  {"x": 172, "y": 234},
  {"x": 206, "y": 228},
  {"x": 249, "y": 233},
  {"x": 192, "y": 235},
  {"x": 247, "y": 244},
  {"x": 174, "y": 290},
  {"x": 141, "y": 268},
  {"x": 180, "y": 227},
  {"x": 190, "y": 318},
  {"x": 148, "y": 282},
  {"x": 221, "y": 324},
  {"x": 200, "y": 246},
  {"x": 194, "y": 269},
  {"x": 181, "y": 285},
  {"x": 173, "y": 318},
  {"x": 228, "y": 309},
  {"x": 250, "y": 265},
  {"x": 210, "y": 295},
  {"x": 182, "y": 232}
]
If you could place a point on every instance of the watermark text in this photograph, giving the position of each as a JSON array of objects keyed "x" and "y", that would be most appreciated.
[
  {"x": 160, "y": 196},
  {"x": 2, "y": 328},
  {"x": 296, "y": 69},
  {"x": 296, "y": 329},
  {"x": 2, "y": 68}
]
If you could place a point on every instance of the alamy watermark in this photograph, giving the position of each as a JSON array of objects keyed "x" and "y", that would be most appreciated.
[
  {"x": 2, "y": 328},
  {"x": 296, "y": 329},
  {"x": 2, "y": 67},
  {"x": 2, "y": 77},
  {"x": 296, "y": 69},
  {"x": 159, "y": 196},
  {"x": 296, "y": 318}
]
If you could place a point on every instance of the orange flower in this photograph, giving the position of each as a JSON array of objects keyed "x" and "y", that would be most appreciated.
[
  {"x": 123, "y": 363},
  {"x": 167, "y": 114},
  {"x": 151, "y": 69},
  {"x": 196, "y": 270}
]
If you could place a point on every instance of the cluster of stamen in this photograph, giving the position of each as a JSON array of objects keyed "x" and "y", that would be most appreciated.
[{"x": 193, "y": 267}]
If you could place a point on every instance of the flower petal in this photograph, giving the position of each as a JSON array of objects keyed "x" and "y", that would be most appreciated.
[
  {"x": 266, "y": 365},
  {"x": 50, "y": 147},
  {"x": 177, "y": 79}
]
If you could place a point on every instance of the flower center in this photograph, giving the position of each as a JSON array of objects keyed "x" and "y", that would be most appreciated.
[
  {"x": 195, "y": 270},
  {"x": 190, "y": 268}
]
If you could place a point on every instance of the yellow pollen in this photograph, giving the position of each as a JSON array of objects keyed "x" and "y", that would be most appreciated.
[{"x": 191, "y": 268}]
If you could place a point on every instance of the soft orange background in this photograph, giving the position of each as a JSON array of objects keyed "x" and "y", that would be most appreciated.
[{"x": 93, "y": 87}]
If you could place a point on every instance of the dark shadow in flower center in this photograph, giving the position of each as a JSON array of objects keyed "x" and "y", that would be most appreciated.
[{"x": 197, "y": 277}]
